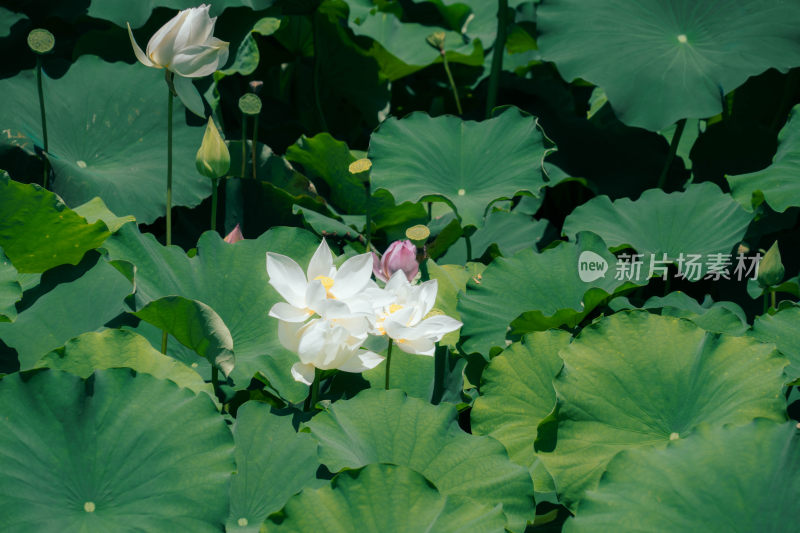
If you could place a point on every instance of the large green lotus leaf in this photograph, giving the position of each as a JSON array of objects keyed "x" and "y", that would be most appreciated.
[
  {"x": 452, "y": 280},
  {"x": 702, "y": 220},
  {"x": 401, "y": 48},
  {"x": 195, "y": 325},
  {"x": 112, "y": 144},
  {"x": 545, "y": 288},
  {"x": 716, "y": 317},
  {"x": 232, "y": 280},
  {"x": 68, "y": 301},
  {"x": 95, "y": 209},
  {"x": 782, "y": 329},
  {"x": 465, "y": 163},
  {"x": 10, "y": 289},
  {"x": 662, "y": 61},
  {"x": 114, "y": 348},
  {"x": 517, "y": 393},
  {"x": 637, "y": 380},
  {"x": 38, "y": 232},
  {"x": 273, "y": 462},
  {"x": 112, "y": 453},
  {"x": 388, "y": 427},
  {"x": 777, "y": 184},
  {"x": 7, "y": 21},
  {"x": 389, "y": 499},
  {"x": 325, "y": 159},
  {"x": 136, "y": 13},
  {"x": 671, "y": 489}
]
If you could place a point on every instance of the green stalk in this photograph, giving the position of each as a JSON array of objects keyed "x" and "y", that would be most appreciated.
[
  {"x": 313, "y": 394},
  {"x": 772, "y": 299},
  {"x": 369, "y": 217},
  {"x": 253, "y": 149},
  {"x": 388, "y": 362},
  {"x": 673, "y": 149},
  {"x": 452, "y": 82},
  {"x": 169, "y": 168},
  {"x": 497, "y": 56},
  {"x": 244, "y": 143},
  {"x": 164, "y": 337},
  {"x": 44, "y": 118},
  {"x": 214, "y": 187},
  {"x": 469, "y": 247}
]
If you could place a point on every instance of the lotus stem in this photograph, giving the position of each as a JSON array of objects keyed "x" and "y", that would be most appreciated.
[
  {"x": 315, "y": 72},
  {"x": 253, "y": 150},
  {"x": 169, "y": 168},
  {"x": 214, "y": 187},
  {"x": 673, "y": 149},
  {"x": 164, "y": 337},
  {"x": 497, "y": 56},
  {"x": 452, "y": 82},
  {"x": 244, "y": 143},
  {"x": 388, "y": 363},
  {"x": 44, "y": 119},
  {"x": 313, "y": 394}
]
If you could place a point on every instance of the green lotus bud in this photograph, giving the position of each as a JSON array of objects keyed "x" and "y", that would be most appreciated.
[
  {"x": 770, "y": 269},
  {"x": 213, "y": 159}
]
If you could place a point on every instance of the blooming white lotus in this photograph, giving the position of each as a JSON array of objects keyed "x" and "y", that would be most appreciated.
[
  {"x": 322, "y": 289},
  {"x": 403, "y": 320},
  {"x": 326, "y": 345},
  {"x": 185, "y": 45}
]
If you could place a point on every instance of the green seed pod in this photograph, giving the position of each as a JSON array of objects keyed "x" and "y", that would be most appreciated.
[
  {"x": 213, "y": 159},
  {"x": 418, "y": 234},
  {"x": 250, "y": 104},
  {"x": 41, "y": 41}
]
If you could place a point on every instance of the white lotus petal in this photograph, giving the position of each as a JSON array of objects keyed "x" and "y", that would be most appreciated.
[
  {"x": 437, "y": 326},
  {"x": 289, "y": 335},
  {"x": 321, "y": 263},
  {"x": 313, "y": 341},
  {"x": 352, "y": 277},
  {"x": 196, "y": 28},
  {"x": 303, "y": 373},
  {"x": 361, "y": 361},
  {"x": 422, "y": 346},
  {"x": 427, "y": 295},
  {"x": 287, "y": 278},
  {"x": 137, "y": 50},
  {"x": 289, "y": 313},
  {"x": 201, "y": 60},
  {"x": 161, "y": 46}
]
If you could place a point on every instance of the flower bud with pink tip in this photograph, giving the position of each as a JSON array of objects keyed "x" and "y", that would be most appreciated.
[
  {"x": 234, "y": 236},
  {"x": 400, "y": 255}
]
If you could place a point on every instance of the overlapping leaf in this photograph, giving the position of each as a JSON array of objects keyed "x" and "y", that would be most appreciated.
[
  {"x": 386, "y": 498},
  {"x": 467, "y": 164},
  {"x": 655, "y": 490},
  {"x": 90, "y": 455},
  {"x": 388, "y": 427},
  {"x": 662, "y": 61},
  {"x": 546, "y": 289},
  {"x": 273, "y": 462},
  {"x": 229, "y": 278},
  {"x": 782, "y": 329},
  {"x": 105, "y": 124},
  {"x": 777, "y": 184},
  {"x": 636, "y": 380}
]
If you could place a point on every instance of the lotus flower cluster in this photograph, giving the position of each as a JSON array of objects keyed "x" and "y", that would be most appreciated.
[{"x": 329, "y": 313}]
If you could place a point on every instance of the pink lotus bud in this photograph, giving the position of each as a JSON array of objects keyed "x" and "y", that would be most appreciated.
[
  {"x": 234, "y": 236},
  {"x": 400, "y": 255}
]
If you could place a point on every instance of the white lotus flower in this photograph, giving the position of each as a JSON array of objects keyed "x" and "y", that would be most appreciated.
[
  {"x": 403, "y": 320},
  {"x": 326, "y": 345},
  {"x": 322, "y": 289},
  {"x": 185, "y": 45}
]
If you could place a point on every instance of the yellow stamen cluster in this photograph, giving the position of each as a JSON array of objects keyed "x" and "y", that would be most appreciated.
[{"x": 328, "y": 284}]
